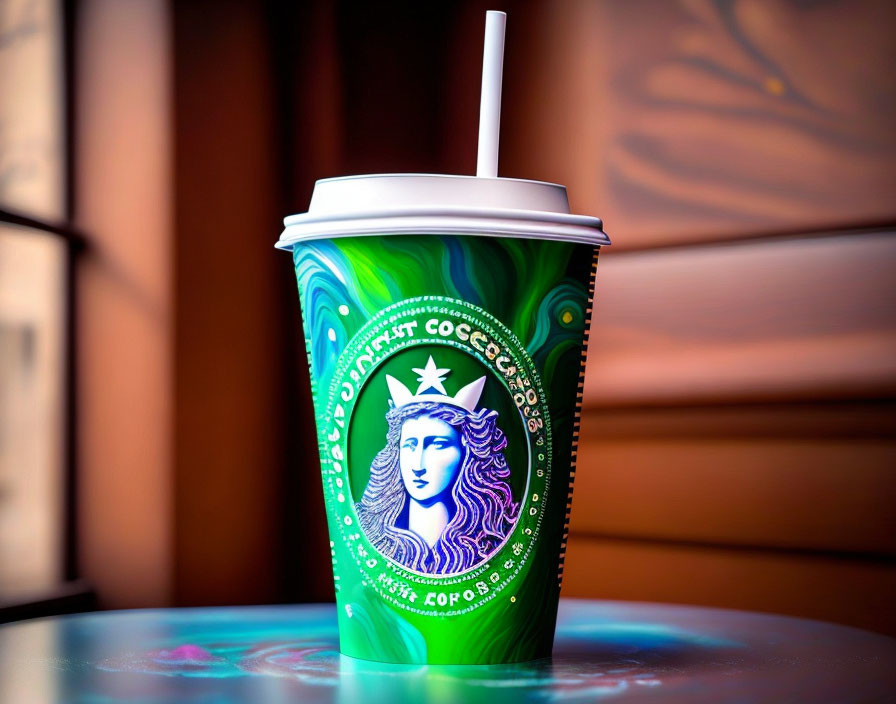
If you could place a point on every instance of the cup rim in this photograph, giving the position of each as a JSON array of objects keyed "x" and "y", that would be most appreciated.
[{"x": 423, "y": 220}]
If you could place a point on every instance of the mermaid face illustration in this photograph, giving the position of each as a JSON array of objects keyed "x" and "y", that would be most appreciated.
[
  {"x": 429, "y": 455},
  {"x": 438, "y": 500}
]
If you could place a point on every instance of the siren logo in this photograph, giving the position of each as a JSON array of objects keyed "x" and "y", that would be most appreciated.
[
  {"x": 436, "y": 448},
  {"x": 438, "y": 500}
]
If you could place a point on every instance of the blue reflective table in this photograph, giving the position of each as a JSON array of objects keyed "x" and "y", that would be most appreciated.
[{"x": 612, "y": 651}]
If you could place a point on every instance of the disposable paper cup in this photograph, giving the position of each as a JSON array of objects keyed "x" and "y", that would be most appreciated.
[{"x": 446, "y": 322}]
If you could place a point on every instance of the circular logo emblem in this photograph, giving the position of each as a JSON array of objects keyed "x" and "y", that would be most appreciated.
[{"x": 437, "y": 458}]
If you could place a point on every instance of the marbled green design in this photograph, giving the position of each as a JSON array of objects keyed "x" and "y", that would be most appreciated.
[
  {"x": 559, "y": 324},
  {"x": 386, "y": 632},
  {"x": 509, "y": 277},
  {"x": 323, "y": 287},
  {"x": 538, "y": 290}
]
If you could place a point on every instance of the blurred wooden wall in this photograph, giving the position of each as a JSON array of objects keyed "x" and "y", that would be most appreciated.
[
  {"x": 123, "y": 196},
  {"x": 737, "y": 446}
]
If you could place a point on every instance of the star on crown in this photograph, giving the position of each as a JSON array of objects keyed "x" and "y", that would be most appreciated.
[
  {"x": 432, "y": 389},
  {"x": 430, "y": 377}
]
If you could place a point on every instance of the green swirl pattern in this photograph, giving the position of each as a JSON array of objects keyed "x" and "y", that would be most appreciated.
[{"x": 539, "y": 290}]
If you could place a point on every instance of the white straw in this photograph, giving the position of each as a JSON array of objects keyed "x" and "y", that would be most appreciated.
[{"x": 490, "y": 105}]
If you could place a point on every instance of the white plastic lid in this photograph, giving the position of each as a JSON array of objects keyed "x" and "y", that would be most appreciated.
[{"x": 384, "y": 204}]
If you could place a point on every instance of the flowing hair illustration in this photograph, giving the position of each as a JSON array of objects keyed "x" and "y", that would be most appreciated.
[{"x": 478, "y": 498}]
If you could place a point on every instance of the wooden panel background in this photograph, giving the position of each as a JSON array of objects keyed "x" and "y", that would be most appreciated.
[
  {"x": 124, "y": 201},
  {"x": 791, "y": 491},
  {"x": 705, "y": 119},
  {"x": 737, "y": 441},
  {"x": 227, "y": 472},
  {"x": 785, "y": 319},
  {"x": 840, "y": 588}
]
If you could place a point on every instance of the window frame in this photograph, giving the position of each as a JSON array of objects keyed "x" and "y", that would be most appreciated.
[{"x": 69, "y": 594}]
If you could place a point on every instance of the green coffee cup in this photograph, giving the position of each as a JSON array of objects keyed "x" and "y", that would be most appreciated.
[{"x": 446, "y": 322}]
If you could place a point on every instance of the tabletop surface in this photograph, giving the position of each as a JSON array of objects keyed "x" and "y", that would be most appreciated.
[{"x": 614, "y": 651}]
